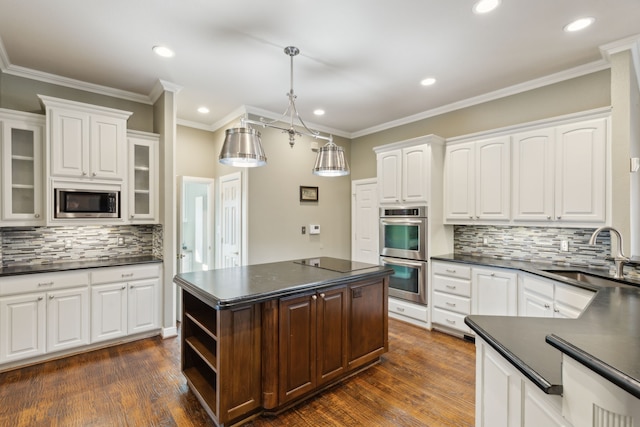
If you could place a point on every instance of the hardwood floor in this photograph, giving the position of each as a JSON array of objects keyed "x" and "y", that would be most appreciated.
[{"x": 426, "y": 379}]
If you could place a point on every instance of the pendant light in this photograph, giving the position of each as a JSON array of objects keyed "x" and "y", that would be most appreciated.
[{"x": 242, "y": 146}]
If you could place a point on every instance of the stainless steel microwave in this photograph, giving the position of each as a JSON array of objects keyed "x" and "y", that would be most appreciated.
[{"x": 79, "y": 203}]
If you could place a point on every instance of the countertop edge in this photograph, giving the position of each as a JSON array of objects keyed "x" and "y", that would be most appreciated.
[
  {"x": 77, "y": 265},
  {"x": 618, "y": 378},
  {"x": 526, "y": 370}
]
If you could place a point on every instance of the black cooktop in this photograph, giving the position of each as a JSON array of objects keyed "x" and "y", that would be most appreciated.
[{"x": 334, "y": 264}]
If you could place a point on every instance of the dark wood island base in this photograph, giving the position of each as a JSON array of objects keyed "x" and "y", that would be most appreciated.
[{"x": 272, "y": 349}]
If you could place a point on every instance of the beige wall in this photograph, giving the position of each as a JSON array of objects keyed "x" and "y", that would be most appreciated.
[
  {"x": 578, "y": 94},
  {"x": 19, "y": 93},
  {"x": 196, "y": 153}
]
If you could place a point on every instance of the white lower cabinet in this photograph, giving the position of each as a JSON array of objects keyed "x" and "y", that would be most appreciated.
[
  {"x": 494, "y": 292},
  {"x": 539, "y": 297},
  {"x": 451, "y": 283},
  {"x": 22, "y": 326},
  {"x": 108, "y": 311},
  {"x": 67, "y": 318},
  {"x": 505, "y": 397},
  {"x": 409, "y": 312},
  {"x": 54, "y": 312}
]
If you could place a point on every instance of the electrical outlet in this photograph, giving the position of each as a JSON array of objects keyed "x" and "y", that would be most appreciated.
[
  {"x": 485, "y": 241},
  {"x": 304, "y": 230},
  {"x": 67, "y": 244},
  {"x": 564, "y": 246},
  {"x": 120, "y": 241}
]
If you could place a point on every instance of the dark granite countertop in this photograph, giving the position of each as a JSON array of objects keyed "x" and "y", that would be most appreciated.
[
  {"x": 605, "y": 338},
  {"x": 228, "y": 287},
  {"x": 77, "y": 265}
]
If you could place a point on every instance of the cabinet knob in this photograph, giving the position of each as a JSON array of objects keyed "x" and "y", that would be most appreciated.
[
  {"x": 84, "y": 173},
  {"x": 93, "y": 174},
  {"x": 314, "y": 297},
  {"x": 123, "y": 288},
  {"x": 51, "y": 296},
  {"x": 549, "y": 217},
  {"x": 470, "y": 216},
  {"x": 559, "y": 217},
  {"x": 37, "y": 215},
  {"x": 132, "y": 216},
  {"x": 493, "y": 274},
  {"x": 322, "y": 295},
  {"x": 40, "y": 298},
  {"x": 555, "y": 310},
  {"x": 546, "y": 306}
]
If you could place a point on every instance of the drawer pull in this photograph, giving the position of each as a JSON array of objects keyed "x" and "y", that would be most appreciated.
[
  {"x": 546, "y": 306},
  {"x": 127, "y": 275},
  {"x": 449, "y": 270},
  {"x": 451, "y": 286},
  {"x": 451, "y": 304},
  {"x": 400, "y": 309},
  {"x": 46, "y": 284},
  {"x": 453, "y": 322}
]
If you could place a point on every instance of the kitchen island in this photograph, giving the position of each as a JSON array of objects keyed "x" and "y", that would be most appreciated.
[{"x": 261, "y": 338}]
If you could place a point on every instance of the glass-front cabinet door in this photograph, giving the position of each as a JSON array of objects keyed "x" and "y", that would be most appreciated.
[
  {"x": 22, "y": 175},
  {"x": 143, "y": 177}
]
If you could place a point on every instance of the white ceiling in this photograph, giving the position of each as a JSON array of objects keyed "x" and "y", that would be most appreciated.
[{"x": 361, "y": 60}]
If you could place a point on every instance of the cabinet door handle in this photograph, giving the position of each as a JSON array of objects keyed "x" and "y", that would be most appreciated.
[
  {"x": 46, "y": 284},
  {"x": 555, "y": 310},
  {"x": 546, "y": 306}
]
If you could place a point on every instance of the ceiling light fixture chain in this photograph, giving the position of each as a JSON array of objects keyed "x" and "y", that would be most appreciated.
[{"x": 242, "y": 146}]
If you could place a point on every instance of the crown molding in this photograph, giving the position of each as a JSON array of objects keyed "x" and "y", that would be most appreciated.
[
  {"x": 162, "y": 86},
  {"x": 490, "y": 96},
  {"x": 631, "y": 44}
]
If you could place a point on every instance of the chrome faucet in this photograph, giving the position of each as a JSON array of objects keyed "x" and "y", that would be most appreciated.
[{"x": 619, "y": 259}]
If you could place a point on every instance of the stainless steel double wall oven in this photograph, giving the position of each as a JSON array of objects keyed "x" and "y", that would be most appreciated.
[{"x": 403, "y": 247}]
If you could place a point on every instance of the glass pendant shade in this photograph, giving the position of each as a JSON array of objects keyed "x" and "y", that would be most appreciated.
[
  {"x": 242, "y": 148},
  {"x": 331, "y": 161}
]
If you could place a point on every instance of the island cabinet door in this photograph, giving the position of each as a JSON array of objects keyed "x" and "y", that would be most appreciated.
[
  {"x": 297, "y": 350},
  {"x": 332, "y": 334},
  {"x": 367, "y": 322}
]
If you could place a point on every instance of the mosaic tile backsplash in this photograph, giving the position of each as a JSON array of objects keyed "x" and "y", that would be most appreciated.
[
  {"x": 38, "y": 245},
  {"x": 540, "y": 244}
]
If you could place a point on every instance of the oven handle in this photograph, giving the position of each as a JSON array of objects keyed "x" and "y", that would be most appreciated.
[
  {"x": 402, "y": 262},
  {"x": 401, "y": 221}
]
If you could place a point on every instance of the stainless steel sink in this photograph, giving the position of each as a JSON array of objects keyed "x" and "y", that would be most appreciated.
[{"x": 586, "y": 277}]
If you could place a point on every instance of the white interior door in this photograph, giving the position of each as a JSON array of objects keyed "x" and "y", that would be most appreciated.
[
  {"x": 195, "y": 227},
  {"x": 230, "y": 220},
  {"x": 365, "y": 221}
]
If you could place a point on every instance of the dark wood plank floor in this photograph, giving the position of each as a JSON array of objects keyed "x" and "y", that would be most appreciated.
[{"x": 426, "y": 379}]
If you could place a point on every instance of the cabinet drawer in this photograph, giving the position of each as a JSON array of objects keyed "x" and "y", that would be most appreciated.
[
  {"x": 450, "y": 320},
  {"x": 417, "y": 312},
  {"x": 454, "y": 303},
  {"x": 124, "y": 274},
  {"x": 42, "y": 282},
  {"x": 452, "y": 286},
  {"x": 451, "y": 270}
]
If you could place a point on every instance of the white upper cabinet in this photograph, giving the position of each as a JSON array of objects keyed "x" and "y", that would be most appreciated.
[
  {"x": 534, "y": 174},
  {"x": 559, "y": 173},
  {"x": 143, "y": 177},
  {"x": 580, "y": 171},
  {"x": 85, "y": 141},
  {"x": 21, "y": 141},
  {"x": 477, "y": 180},
  {"x": 405, "y": 171}
]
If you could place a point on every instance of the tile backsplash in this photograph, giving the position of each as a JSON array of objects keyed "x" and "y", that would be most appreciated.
[
  {"x": 38, "y": 245},
  {"x": 540, "y": 244}
]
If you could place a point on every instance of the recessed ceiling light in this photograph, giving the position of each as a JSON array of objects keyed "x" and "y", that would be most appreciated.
[
  {"x": 428, "y": 81},
  {"x": 579, "y": 24},
  {"x": 485, "y": 6},
  {"x": 163, "y": 51},
  {"x": 203, "y": 110},
  {"x": 319, "y": 112}
]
